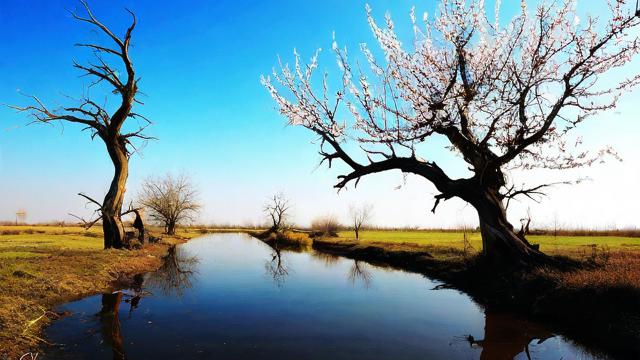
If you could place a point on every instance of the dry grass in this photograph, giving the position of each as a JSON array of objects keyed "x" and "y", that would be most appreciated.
[
  {"x": 615, "y": 269},
  {"x": 47, "y": 265}
]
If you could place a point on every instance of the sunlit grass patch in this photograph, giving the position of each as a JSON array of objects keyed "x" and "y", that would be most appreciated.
[
  {"x": 457, "y": 240},
  {"x": 42, "y": 266},
  {"x": 20, "y": 254},
  {"x": 95, "y": 231},
  {"x": 50, "y": 242}
]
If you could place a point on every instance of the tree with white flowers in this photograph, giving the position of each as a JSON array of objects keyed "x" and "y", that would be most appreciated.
[{"x": 505, "y": 95}]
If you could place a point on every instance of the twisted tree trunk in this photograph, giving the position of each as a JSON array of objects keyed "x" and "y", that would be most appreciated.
[
  {"x": 114, "y": 235},
  {"x": 96, "y": 118},
  {"x": 500, "y": 242}
]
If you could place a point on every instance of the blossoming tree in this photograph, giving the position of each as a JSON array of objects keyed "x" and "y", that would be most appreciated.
[{"x": 505, "y": 95}]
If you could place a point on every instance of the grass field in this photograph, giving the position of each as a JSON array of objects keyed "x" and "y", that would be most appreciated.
[
  {"x": 41, "y": 266},
  {"x": 454, "y": 241}
]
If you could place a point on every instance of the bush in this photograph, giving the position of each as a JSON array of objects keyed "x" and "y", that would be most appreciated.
[{"x": 325, "y": 226}]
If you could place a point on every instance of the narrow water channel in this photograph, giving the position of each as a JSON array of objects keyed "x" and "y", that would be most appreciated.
[{"x": 230, "y": 296}]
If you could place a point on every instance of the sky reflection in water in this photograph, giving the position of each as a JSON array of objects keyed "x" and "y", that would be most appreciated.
[{"x": 231, "y": 296}]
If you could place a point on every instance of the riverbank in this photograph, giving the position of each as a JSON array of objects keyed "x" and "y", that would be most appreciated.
[
  {"x": 595, "y": 302},
  {"x": 43, "y": 266}
]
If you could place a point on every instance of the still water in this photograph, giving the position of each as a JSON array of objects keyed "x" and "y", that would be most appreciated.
[{"x": 230, "y": 296}]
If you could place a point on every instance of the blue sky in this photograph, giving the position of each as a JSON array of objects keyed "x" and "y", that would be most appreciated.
[{"x": 200, "y": 65}]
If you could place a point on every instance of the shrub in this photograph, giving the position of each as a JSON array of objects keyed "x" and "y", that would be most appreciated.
[{"x": 327, "y": 225}]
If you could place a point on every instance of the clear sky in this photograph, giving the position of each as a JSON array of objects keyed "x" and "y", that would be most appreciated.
[{"x": 200, "y": 63}]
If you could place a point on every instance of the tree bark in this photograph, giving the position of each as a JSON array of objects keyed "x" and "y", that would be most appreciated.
[
  {"x": 500, "y": 243},
  {"x": 171, "y": 228},
  {"x": 114, "y": 236}
]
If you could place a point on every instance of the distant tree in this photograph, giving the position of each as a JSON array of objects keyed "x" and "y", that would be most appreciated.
[
  {"x": 171, "y": 200},
  {"x": 277, "y": 210},
  {"x": 107, "y": 125},
  {"x": 503, "y": 95},
  {"x": 360, "y": 216}
]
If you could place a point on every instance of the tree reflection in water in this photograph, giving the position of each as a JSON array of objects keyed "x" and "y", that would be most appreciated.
[
  {"x": 276, "y": 267},
  {"x": 359, "y": 272},
  {"x": 327, "y": 259},
  {"x": 173, "y": 277},
  {"x": 506, "y": 336},
  {"x": 110, "y": 322},
  {"x": 176, "y": 273}
]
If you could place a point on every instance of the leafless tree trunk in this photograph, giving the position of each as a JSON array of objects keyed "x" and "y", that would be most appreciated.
[
  {"x": 112, "y": 204},
  {"x": 101, "y": 123}
]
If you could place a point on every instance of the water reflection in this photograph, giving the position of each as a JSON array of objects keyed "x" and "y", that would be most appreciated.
[
  {"x": 506, "y": 336},
  {"x": 110, "y": 324},
  {"x": 230, "y": 312},
  {"x": 359, "y": 272},
  {"x": 172, "y": 278},
  {"x": 327, "y": 259},
  {"x": 276, "y": 268},
  {"x": 176, "y": 273}
]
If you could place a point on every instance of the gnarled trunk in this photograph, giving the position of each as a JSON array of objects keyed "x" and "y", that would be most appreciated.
[
  {"x": 500, "y": 243},
  {"x": 171, "y": 227},
  {"x": 114, "y": 236}
]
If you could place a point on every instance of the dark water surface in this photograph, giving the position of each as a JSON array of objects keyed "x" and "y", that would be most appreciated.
[{"x": 230, "y": 296}]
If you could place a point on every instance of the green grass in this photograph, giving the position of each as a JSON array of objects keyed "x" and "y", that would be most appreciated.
[
  {"x": 42, "y": 243},
  {"x": 455, "y": 240}
]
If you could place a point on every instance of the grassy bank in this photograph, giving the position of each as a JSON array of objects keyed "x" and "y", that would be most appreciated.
[
  {"x": 42, "y": 266},
  {"x": 595, "y": 300},
  {"x": 444, "y": 243}
]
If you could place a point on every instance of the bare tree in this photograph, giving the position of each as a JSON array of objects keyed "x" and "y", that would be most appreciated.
[
  {"x": 360, "y": 216},
  {"x": 503, "y": 96},
  {"x": 277, "y": 209},
  {"x": 171, "y": 200},
  {"x": 108, "y": 126}
]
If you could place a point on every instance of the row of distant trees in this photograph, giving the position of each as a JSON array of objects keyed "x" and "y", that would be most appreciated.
[{"x": 278, "y": 210}]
